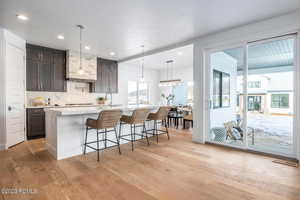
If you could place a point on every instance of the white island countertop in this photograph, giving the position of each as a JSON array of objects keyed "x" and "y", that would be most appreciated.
[{"x": 95, "y": 109}]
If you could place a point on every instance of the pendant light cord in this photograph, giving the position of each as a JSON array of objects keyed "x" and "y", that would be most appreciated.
[
  {"x": 80, "y": 49},
  {"x": 143, "y": 60}
]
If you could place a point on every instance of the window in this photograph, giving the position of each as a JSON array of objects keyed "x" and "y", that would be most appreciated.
[
  {"x": 138, "y": 93},
  {"x": 221, "y": 89},
  {"x": 132, "y": 92},
  {"x": 280, "y": 101},
  {"x": 143, "y": 93},
  {"x": 190, "y": 93},
  {"x": 254, "y": 84}
]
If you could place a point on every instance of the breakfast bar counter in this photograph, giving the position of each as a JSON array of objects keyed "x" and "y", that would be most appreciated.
[{"x": 65, "y": 127}]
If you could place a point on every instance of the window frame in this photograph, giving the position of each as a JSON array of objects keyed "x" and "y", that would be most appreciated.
[
  {"x": 279, "y": 101},
  {"x": 220, "y": 89},
  {"x": 251, "y": 84}
]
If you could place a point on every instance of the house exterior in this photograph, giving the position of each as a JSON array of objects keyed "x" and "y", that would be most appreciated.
[{"x": 269, "y": 93}]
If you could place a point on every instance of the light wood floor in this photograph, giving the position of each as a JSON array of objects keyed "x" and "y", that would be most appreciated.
[{"x": 175, "y": 169}]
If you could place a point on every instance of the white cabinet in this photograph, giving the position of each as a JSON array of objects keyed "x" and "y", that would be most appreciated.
[{"x": 12, "y": 89}]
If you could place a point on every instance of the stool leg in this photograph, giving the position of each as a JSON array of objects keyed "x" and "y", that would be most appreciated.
[
  {"x": 105, "y": 138},
  {"x": 86, "y": 132},
  {"x": 131, "y": 137},
  {"x": 120, "y": 129},
  {"x": 156, "y": 132},
  {"x": 118, "y": 141},
  {"x": 134, "y": 132},
  {"x": 167, "y": 131},
  {"x": 98, "y": 146},
  {"x": 145, "y": 131}
]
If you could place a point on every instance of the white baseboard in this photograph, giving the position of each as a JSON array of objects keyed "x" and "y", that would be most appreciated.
[{"x": 2, "y": 147}]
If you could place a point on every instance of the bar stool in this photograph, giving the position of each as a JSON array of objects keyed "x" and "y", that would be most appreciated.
[
  {"x": 188, "y": 118},
  {"x": 137, "y": 119},
  {"x": 160, "y": 115},
  {"x": 107, "y": 119}
]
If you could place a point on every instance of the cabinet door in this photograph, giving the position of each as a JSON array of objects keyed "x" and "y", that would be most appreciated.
[
  {"x": 45, "y": 70},
  {"x": 107, "y": 77},
  {"x": 33, "y": 52},
  {"x": 45, "y": 76},
  {"x": 32, "y": 75},
  {"x": 33, "y": 59},
  {"x": 59, "y": 71},
  {"x": 35, "y": 123}
]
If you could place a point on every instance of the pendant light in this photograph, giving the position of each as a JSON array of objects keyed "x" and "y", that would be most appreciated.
[
  {"x": 142, "y": 78},
  {"x": 169, "y": 82},
  {"x": 80, "y": 71}
]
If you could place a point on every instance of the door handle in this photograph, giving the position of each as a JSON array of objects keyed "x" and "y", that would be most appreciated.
[{"x": 9, "y": 108}]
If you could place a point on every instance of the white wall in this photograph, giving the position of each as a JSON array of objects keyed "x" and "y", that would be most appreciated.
[{"x": 224, "y": 63}]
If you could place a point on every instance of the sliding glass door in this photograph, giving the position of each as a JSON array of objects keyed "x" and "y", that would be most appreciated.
[
  {"x": 227, "y": 69},
  {"x": 270, "y": 95},
  {"x": 252, "y": 96}
]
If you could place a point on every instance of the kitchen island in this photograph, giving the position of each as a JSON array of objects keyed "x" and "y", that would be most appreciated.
[{"x": 65, "y": 128}]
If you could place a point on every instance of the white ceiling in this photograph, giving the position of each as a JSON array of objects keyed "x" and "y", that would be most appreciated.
[
  {"x": 182, "y": 57},
  {"x": 123, "y": 26}
]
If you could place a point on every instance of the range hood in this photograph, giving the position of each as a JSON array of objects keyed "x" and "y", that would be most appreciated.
[{"x": 89, "y": 67}]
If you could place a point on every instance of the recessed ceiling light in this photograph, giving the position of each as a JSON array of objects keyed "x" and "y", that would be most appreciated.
[
  {"x": 60, "y": 37},
  {"x": 112, "y": 53},
  {"x": 22, "y": 17},
  {"x": 179, "y": 53},
  {"x": 87, "y": 47}
]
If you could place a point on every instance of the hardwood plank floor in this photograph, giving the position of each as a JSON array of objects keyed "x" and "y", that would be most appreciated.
[{"x": 170, "y": 170}]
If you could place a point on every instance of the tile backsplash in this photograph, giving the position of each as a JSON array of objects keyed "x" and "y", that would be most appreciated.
[{"x": 77, "y": 92}]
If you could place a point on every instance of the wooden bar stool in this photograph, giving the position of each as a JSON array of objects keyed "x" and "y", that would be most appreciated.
[
  {"x": 107, "y": 119},
  {"x": 161, "y": 115},
  {"x": 137, "y": 119}
]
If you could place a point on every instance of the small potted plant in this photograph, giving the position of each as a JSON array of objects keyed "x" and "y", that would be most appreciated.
[
  {"x": 101, "y": 100},
  {"x": 169, "y": 98}
]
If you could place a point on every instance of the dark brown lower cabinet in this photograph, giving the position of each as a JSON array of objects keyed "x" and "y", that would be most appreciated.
[{"x": 35, "y": 123}]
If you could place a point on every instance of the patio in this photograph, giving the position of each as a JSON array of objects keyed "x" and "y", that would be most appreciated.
[{"x": 271, "y": 132}]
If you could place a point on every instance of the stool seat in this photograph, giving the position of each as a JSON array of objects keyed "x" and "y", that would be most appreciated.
[
  {"x": 126, "y": 119},
  {"x": 152, "y": 116},
  {"x": 91, "y": 123}
]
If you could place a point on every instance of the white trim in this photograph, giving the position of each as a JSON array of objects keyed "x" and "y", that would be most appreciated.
[
  {"x": 2, "y": 89},
  {"x": 2, "y": 147},
  {"x": 297, "y": 97}
]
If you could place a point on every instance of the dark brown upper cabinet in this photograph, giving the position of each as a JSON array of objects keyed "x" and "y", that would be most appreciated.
[
  {"x": 107, "y": 77},
  {"x": 45, "y": 69}
]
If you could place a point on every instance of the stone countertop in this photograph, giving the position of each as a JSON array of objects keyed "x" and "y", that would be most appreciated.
[{"x": 84, "y": 110}]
